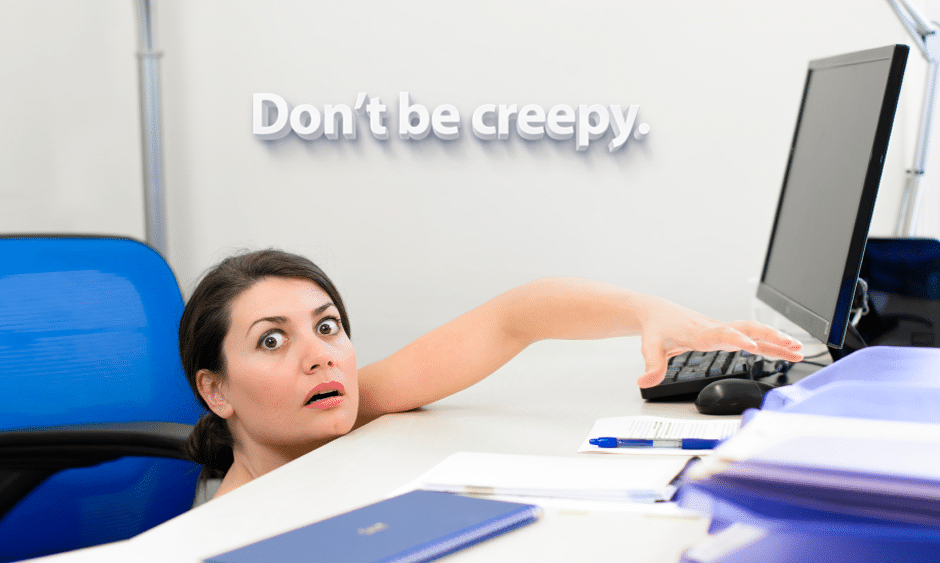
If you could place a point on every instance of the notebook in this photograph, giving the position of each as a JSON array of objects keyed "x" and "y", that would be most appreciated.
[{"x": 413, "y": 527}]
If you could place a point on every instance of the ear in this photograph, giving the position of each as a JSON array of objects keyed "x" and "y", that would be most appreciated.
[{"x": 209, "y": 384}]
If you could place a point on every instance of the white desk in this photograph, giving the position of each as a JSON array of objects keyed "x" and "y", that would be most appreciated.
[{"x": 544, "y": 402}]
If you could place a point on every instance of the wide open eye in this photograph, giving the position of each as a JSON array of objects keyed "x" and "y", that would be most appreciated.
[
  {"x": 271, "y": 340},
  {"x": 329, "y": 326}
]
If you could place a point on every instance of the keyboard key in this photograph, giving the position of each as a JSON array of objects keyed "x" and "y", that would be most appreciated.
[
  {"x": 679, "y": 361},
  {"x": 716, "y": 369},
  {"x": 690, "y": 373}
]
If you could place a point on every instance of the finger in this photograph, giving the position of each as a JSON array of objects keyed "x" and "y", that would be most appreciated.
[
  {"x": 656, "y": 363},
  {"x": 778, "y": 352},
  {"x": 653, "y": 377},
  {"x": 758, "y": 331},
  {"x": 725, "y": 337}
]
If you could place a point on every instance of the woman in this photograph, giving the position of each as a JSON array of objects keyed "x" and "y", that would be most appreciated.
[{"x": 265, "y": 345}]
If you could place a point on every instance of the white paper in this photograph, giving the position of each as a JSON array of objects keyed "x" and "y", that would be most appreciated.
[
  {"x": 658, "y": 428},
  {"x": 524, "y": 476}
]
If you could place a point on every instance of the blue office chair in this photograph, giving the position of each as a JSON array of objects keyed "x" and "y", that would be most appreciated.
[{"x": 94, "y": 406}]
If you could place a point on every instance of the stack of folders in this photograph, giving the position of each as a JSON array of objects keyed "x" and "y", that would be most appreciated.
[{"x": 790, "y": 485}]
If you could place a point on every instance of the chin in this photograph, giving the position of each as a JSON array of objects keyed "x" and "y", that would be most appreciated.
[{"x": 336, "y": 427}]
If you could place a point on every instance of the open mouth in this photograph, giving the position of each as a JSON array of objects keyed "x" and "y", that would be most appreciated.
[
  {"x": 322, "y": 396},
  {"x": 326, "y": 395}
]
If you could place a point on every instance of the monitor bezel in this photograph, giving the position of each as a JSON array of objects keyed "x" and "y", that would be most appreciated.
[{"x": 831, "y": 331}]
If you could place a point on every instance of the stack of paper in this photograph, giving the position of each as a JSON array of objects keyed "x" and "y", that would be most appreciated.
[{"x": 599, "y": 479}]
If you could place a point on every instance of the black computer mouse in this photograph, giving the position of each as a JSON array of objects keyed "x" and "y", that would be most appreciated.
[{"x": 731, "y": 396}]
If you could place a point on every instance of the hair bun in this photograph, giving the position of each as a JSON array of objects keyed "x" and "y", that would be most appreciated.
[{"x": 210, "y": 445}]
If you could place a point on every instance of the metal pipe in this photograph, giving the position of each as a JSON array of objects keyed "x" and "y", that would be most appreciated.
[
  {"x": 150, "y": 128},
  {"x": 924, "y": 34},
  {"x": 913, "y": 194}
]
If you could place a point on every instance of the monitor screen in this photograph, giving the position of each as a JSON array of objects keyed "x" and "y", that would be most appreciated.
[{"x": 829, "y": 189}]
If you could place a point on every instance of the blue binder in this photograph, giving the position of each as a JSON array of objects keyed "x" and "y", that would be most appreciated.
[{"x": 413, "y": 527}]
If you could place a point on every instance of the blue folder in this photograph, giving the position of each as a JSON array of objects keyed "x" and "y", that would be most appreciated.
[
  {"x": 413, "y": 527},
  {"x": 873, "y": 383}
]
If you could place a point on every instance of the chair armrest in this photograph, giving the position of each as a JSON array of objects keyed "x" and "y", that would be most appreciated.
[
  {"x": 28, "y": 456},
  {"x": 89, "y": 444}
]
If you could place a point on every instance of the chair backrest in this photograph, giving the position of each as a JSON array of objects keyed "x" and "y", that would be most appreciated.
[{"x": 88, "y": 334}]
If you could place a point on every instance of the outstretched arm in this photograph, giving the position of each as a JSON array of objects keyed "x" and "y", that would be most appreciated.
[{"x": 474, "y": 345}]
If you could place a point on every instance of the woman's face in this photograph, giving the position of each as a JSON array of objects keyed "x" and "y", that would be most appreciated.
[{"x": 290, "y": 373}]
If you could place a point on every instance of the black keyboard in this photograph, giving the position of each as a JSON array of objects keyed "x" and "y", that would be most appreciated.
[{"x": 690, "y": 372}]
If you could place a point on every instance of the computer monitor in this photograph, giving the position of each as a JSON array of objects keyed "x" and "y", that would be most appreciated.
[{"x": 829, "y": 188}]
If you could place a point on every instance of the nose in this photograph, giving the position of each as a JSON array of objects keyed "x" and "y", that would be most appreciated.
[{"x": 316, "y": 355}]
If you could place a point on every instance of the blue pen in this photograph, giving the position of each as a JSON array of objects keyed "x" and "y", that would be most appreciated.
[{"x": 684, "y": 443}]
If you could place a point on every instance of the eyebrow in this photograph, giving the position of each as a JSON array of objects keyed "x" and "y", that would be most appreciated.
[{"x": 279, "y": 320}]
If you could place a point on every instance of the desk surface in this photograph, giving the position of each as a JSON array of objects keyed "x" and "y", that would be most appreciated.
[{"x": 544, "y": 402}]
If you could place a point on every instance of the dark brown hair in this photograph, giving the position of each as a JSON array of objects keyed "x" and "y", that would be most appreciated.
[{"x": 203, "y": 327}]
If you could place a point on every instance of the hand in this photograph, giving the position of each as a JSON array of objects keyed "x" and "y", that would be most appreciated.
[{"x": 669, "y": 330}]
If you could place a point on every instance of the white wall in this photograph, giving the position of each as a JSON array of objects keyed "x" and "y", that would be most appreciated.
[
  {"x": 415, "y": 232},
  {"x": 69, "y": 140}
]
